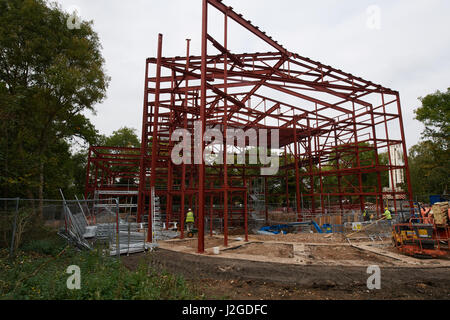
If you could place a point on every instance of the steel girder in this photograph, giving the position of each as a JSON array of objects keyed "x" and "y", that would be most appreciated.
[{"x": 333, "y": 125}]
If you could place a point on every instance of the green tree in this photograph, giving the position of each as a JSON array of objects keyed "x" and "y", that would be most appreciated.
[
  {"x": 49, "y": 76},
  {"x": 124, "y": 137},
  {"x": 435, "y": 115},
  {"x": 429, "y": 160},
  {"x": 429, "y": 172}
]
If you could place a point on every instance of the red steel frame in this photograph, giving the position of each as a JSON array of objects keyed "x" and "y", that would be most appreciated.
[
  {"x": 327, "y": 120},
  {"x": 108, "y": 166}
]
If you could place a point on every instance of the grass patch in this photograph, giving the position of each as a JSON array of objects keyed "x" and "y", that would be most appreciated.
[
  {"x": 44, "y": 246},
  {"x": 38, "y": 273}
]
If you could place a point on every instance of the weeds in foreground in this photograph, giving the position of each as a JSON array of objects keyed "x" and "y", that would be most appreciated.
[{"x": 39, "y": 272}]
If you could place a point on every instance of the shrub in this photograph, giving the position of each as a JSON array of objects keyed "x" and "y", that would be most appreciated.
[
  {"x": 102, "y": 277},
  {"x": 50, "y": 246}
]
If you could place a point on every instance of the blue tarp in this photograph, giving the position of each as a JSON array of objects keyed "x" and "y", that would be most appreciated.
[
  {"x": 280, "y": 228},
  {"x": 276, "y": 229},
  {"x": 434, "y": 199}
]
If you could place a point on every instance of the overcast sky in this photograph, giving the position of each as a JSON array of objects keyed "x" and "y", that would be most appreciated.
[{"x": 410, "y": 52}]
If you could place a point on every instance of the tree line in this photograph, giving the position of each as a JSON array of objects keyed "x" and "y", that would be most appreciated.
[{"x": 51, "y": 76}]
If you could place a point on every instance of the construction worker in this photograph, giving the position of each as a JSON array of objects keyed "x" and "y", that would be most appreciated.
[
  {"x": 190, "y": 220},
  {"x": 366, "y": 216},
  {"x": 387, "y": 215}
]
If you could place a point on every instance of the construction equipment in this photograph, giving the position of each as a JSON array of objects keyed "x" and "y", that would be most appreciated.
[
  {"x": 192, "y": 232},
  {"x": 421, "y": 240}
]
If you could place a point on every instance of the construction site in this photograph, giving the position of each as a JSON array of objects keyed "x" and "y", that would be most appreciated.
[{"x": 329, "y": 195}]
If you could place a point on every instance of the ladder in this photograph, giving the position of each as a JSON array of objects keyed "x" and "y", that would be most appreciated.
[
  {"x": 257, "y": 201},
  {"x": 157, "y": 225}
]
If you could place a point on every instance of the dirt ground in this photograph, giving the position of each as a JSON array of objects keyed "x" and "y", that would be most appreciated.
[
  {"x": 192, "y": 243},
  {"x": 276, "y": 250},
  {"x": 223, "y": 278},
  {"x": 309, "y": 249},
  {"x": 302, "y": 237},
  {"x": 345, "y": 253}
]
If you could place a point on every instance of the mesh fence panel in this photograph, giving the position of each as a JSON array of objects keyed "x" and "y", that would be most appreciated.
[{"x": 82, "y": 223}]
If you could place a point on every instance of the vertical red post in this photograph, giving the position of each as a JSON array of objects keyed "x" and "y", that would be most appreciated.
[
  {"x": 169, "y": 196},
  {"x": 183, "y": 168},
  {"x": 155, "y": 120},
  {"x": 224, "y": 124},
  {"x": 338, "y": 157},
  {"x": 310, "y": 170},
  {"x": 377, "y": 164},
  {"x": 211, "y": 203},
  {"x": 144, "y": 145},
  {"x": 391, "y": 171},
  {"x": 286, "y": 171},
  {"x": 318, "y": 153},
  {"x": 245, "y": 210},
  {"x": 265, "y": 199},
  {"x": 358, "y": 159},
  {"x": 88, "y": 170},
  {"x": 96, "y": 175},
  {"x": 297, "y": 176},
  {"x": 201, "y": 166}
]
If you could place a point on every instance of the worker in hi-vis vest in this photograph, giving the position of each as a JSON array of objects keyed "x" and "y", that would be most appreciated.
[
  {"x": 366, "y": 216},
  {"x": 387, "y": 215},
  {"x": 190, "y": 220}
]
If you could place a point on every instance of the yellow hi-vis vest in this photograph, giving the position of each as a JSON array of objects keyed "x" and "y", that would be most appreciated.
[
  {"x": 387, "y": 214},
  {"x": 190, "y": 217}
]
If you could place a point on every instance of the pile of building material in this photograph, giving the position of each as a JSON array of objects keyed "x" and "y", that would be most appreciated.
[
  {"x": 131, "y": 238},
  {"x": 275, "y": 217},
  {"x": 162, "y": 235},
  {"x": 378, "y": 230},
  {"x": 75, "y": 228},
  {"x": 440, "y": 213},
  {"x": 107, "y": 228}
]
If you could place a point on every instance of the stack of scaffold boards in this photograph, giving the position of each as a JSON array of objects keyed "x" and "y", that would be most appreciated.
[
  {"x": 129, "y": 237},
  {"x": 441, "y": 214}
]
